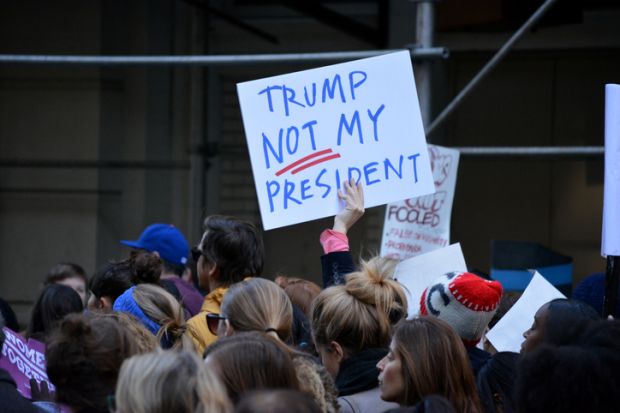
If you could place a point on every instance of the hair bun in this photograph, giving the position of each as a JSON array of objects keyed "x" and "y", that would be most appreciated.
[{"x": 147, "y": 267}]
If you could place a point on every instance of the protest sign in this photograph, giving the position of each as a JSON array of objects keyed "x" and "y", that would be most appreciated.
[
  {"x": 419, "y": 225},
  {"x": 309, "y": 131},
  {"x": 419, "y": 272},
  {"x": 611, "y": 204},
  {"x": 24, "y": 360},
  {"x": 507, "y": 334}
]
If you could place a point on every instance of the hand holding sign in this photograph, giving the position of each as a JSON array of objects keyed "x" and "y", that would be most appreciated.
[{"x": 353, "y": 195}]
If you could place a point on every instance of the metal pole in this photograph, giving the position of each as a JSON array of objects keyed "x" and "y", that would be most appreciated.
[
  {"x": 425, "y": 32},
  {"x": 538, "y": 14},
  {"x": 533, "y": 152},
  {"x": 612, "y": 275},
  {"x": 215, "y": 60}
]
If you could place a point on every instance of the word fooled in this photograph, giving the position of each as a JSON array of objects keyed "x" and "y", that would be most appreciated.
[
  {"x": 423, "y": 210},
  {"x": 284, "y": 194}
]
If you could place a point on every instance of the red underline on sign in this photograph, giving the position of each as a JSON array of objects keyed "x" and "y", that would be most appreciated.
[
  {"x": 318, "y": 161},
  {"x": 302, "y": 160}
]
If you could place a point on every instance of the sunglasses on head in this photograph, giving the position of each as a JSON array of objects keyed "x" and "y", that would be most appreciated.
[
  {"x": 196, "y": 253},
  {"x": 213, "y": 322}
]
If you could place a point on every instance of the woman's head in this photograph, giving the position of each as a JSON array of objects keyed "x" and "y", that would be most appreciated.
[
  {"x": 108, "y": 283},
  {"x": 71, "y": 275},
  {"x": 301, "y": 292},
  {"x": 558, "y": 322},
  {"x": 251, "y": 361},
  {"x": 258, "y": 305},
  {"x": 84, "y": 354},
  {"x": 347, "y": 319},
  {"x": 170, "y": 381},
  {"x": 427, "y": 357},
  {"x": 54, "y": 302},
  {"x": 158, "y": 310}
]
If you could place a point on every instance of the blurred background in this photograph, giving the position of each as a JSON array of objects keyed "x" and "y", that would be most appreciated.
[{"x": 90, "y": 155}]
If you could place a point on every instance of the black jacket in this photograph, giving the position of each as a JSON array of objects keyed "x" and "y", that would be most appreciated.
[{"x": 12, "y": 400}]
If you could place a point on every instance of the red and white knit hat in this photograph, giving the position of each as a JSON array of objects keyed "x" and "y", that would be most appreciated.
[{"x": 463, "y": 300}]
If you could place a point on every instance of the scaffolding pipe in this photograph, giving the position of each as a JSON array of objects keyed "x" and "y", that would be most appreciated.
[
  {"x": 533, "y": 152},
  {"x": 501, "y": 53},
  {"x": 215, "y": 60},
  {"x": 425, "y": 31}
]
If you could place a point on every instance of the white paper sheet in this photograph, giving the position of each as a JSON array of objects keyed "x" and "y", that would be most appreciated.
[
  {"x": 507, "y": 334},
  {"x": 611, "y": 207},
  {"x": 309, "y": 131},
  {"x": 420, "y": 271},
  {"x": 419, "y": 225}
]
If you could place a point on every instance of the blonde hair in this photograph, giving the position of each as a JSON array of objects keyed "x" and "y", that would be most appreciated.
[
  {"x": 161, "y": 307},
  {"x": 259, "y": 305},
  {"x": 360, "y": 313},
  {"x": 169, "y": 381},
  {"x": 145, "y": 341}
]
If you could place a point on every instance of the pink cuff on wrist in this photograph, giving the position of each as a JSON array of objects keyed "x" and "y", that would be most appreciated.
[{"x": 334, "y": 241}]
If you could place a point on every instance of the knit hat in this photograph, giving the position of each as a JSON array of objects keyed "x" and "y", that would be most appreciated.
[{"x": 463, "y": 300}]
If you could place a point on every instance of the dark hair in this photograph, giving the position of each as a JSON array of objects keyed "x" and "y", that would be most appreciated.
[
  {"x": 566, "y": 319},
  {"x": 84, "y": 355},
  {"x": 10, "y": 319},
  {"x": 146, "y": 267},
  {"x": 509, "y": 298},
  {"x": 252, "y": 361},
  {"x": 64, "y": 270},
  {"x": 111, "y": 280},
  {"x": 434, "y": 361},
  {"x": 495, "y": 383},
  {"x": 54, "y": 302},
  {"x": 574, "y": 378},
  {"x": 277, "y": 401},
  {"x": 235, "y": 246},
  {"x": 173, "y": 268}
]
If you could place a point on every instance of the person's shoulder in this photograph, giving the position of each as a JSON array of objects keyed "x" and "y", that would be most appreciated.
[{"x": 366, "y": 401}]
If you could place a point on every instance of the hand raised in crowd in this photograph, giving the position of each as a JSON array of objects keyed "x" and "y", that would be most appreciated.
[{"x": 353, "y": 195}]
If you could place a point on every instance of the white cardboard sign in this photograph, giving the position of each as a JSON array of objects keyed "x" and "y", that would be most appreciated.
[
  {"x": 419, "y": 272},
  {"x": 419, "y": 225},
  {"x": 611, "y": 205},
  {"x": 507, "y": 334},
  {"x": 309, "y": 131}
]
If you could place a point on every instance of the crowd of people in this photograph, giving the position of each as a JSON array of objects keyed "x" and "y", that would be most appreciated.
[{"x": 174, "y": 329}]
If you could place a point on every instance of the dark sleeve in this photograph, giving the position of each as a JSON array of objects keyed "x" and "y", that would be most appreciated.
[{"x": 335, "y": 266}]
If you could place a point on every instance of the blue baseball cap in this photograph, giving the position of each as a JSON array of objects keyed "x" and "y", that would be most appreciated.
[{"x": 166, "y": 239}]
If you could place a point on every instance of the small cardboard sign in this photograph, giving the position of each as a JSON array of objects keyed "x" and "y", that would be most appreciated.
[
  {"x": 419, "y": 272},
  {"x": 419, "y": 225},
  {"x": 309, "y": 131},
  {"x": 24, "y": 360},
  {"x": 507, "y": 334}
]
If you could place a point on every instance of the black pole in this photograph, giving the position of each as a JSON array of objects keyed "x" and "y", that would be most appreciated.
[{"x": 612, "y": 275}]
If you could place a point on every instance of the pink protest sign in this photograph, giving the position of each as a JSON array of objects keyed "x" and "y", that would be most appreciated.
[
  {"x": 24, "y": 360},
  {"x": 419, "y": 225}
]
